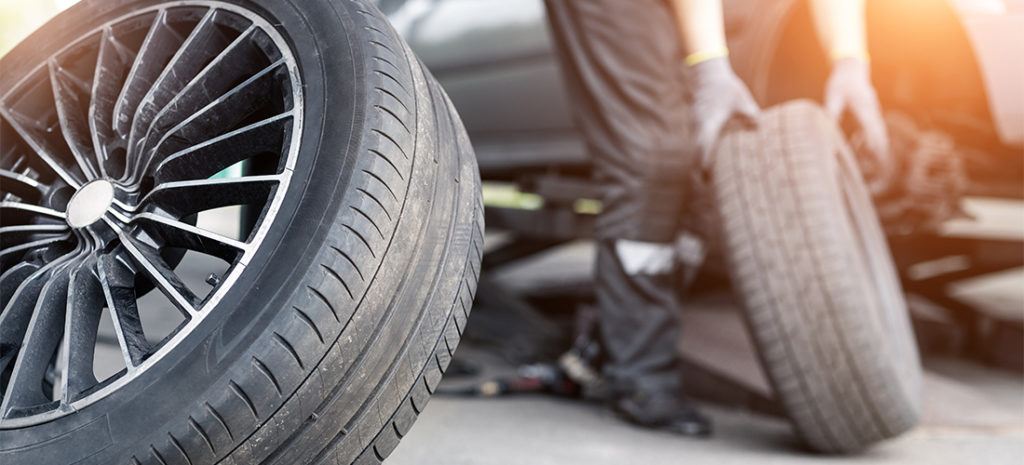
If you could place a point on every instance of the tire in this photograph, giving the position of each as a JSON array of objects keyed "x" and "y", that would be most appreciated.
[
  {"x": 809, "y": 261},
  {"x": 346, "y": 293}
]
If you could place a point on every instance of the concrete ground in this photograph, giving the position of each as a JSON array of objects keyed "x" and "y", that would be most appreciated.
[
  {"x": 972, "y": 414},
  {"x": 542, "y": 431}
]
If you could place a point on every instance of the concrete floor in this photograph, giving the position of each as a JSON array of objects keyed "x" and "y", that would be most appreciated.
[
  {"x": 540, "y": 431},
  {"x": 971, "y": 414}
]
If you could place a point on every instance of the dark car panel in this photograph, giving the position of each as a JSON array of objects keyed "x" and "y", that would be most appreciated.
[
  {"x": 495, "y": 59},
  {"x": 493, "y": 56}
]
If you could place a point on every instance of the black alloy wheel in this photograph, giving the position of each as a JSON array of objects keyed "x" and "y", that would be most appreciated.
[
  {"x": 231, "y": 231},
  {"x": 103, "y": 184}
]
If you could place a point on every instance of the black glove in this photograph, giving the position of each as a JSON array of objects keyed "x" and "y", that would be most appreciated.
[
  {"x": 849, "y": 88},
  {"x": 718, "y": 96}
]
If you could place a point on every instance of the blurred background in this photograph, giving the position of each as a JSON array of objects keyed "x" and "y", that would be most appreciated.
[{"x": 19, "y": 18}]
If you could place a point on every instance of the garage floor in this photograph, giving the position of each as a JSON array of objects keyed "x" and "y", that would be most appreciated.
[
  {"x": 542, "y": 431},
  {"x": 971, "y": 414}
]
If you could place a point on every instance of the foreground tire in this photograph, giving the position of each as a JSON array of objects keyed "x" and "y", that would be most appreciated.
[
  {"x": 808, "y": 258},
  {"x": 314, "y": 327}
]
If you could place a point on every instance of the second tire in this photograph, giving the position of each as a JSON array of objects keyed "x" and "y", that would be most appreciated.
[{"x": 809, "y": 261}]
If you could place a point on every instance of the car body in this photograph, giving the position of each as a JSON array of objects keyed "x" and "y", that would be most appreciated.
[
  {"x": 949, "y": 75},
  {"x": 496, "y": 59}
]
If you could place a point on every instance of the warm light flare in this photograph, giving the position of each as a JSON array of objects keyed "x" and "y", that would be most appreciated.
[{"x": 18, "y": 18}]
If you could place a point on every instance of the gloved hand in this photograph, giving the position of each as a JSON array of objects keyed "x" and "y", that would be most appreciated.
[
  {"x": 849, "y": 88},
  {"x": 718, "y": 96}
]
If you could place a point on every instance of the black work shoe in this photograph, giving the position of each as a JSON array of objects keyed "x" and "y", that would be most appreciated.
[{"x": 664, "y": 412}]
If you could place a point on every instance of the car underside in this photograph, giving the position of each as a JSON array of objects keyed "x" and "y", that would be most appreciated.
[{"x": 958, "y": 153}]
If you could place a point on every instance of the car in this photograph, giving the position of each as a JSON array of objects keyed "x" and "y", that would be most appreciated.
[
  {"x": 948, "y": 76},
  {"x": 496, "y": 59},
  {"x": 949, "y": 81}
]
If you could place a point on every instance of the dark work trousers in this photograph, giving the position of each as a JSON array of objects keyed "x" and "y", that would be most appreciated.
[{"x": 622, "y": 62}]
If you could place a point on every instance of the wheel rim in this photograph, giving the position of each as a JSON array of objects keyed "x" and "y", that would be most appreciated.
[{"x": 114, "y": 200}]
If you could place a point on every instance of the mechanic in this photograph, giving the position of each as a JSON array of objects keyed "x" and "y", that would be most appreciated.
[{"x": 652, "y": 88}]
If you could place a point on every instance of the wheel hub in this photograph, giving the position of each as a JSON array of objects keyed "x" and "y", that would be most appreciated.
[
  {"x": 90, "y": 203},
  {"x": 114, "y": 150}
]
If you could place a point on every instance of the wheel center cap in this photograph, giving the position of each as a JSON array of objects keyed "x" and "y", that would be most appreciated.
[{"x": 89, "y": 204}]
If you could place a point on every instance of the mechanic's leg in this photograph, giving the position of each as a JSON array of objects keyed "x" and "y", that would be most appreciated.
[
  {"x": 639, "y": 308},
  {"x": 639, "y": 314},
  {"x": 623, "y": 67}
]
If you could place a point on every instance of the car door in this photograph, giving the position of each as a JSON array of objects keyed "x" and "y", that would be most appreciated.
[{"x": 496, "y": 61}]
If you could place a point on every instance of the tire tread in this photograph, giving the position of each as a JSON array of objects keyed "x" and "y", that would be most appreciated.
[{"x": 787, "y": 245}]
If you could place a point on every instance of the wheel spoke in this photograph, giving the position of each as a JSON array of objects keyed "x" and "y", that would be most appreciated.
[
  {"x": 150, "y": 263},
  {"x": 43, "y": 148},
  {"x": 161, "y": 42},
  {"x": 13, "y": 212},
  {"x": 32, "y": 209},
  {"x": 208, "y": 158},
  {"x": 10, "y": 254},
  {"x": 215, "y": 80},
  {"x": 219, "y": 116},
  {"x": 10, "y": 235},
  {"x": 22, "y": 186},
  {"x": 12, "y": 278},
  {"x": 193, "y": 54},
  {"x": 41, "y": 339},
  {"x": 72, "y": 115},
  {"x": 20, "y": 288},
  {"x": 82, "y": 318},
  {"x": 184, "y": 198},
  {"x": 18, "y": 311},
  {"x": 118, "y": 285},
  {"x": 28, "y": 281},
  {"x": 186, "y": 236},
  {"x": 154, "y": 103},
  {"x": 109, "y": 77}
]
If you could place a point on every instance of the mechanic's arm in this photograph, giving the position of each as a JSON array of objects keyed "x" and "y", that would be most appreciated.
[
  {"x": 701, "y": 28},
  {"x": 840, "y": 26},
  {"x": 718, "y": 95},
  {"x": 841, "y": 29}
]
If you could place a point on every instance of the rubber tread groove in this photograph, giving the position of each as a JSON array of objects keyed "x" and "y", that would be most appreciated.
[
  {"x": 304, "y": 317},
  {"x": 202, "y": 434}
]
